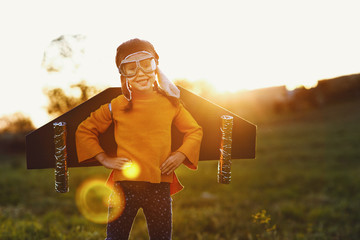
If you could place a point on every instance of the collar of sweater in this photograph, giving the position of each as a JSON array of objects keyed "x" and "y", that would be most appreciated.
[{"x": 143, "y": 95}]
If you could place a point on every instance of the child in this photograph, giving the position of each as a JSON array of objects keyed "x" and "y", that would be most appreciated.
[{"x": 142, "y": 117}]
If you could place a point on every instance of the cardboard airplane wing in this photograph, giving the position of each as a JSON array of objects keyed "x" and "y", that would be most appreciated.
[{"x": 40, "y": 146}]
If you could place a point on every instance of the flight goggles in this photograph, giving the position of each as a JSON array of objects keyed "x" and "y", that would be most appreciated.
[{"x": 130, "y": 66}]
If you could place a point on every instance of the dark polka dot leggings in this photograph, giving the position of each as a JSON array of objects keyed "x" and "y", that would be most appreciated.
[{"x": 153, "y": 198}]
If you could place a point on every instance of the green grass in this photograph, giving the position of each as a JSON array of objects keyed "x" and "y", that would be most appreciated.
[{"x": 303, "y": 184}]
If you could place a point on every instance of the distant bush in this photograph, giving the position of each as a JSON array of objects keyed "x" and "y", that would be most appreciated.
[{"x": 13, "y": 130}]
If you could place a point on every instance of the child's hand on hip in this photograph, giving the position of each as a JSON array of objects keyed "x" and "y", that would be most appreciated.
[
  {"x": 118, "y": 163},
  {"x": 172, "y": 162}
]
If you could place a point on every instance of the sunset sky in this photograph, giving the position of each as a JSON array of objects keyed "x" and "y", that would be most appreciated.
[{"x": 234, "y": 45}]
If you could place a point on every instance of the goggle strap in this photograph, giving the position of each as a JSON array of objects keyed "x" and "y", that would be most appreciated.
[
  {"x": 134, "y": 54},
  {"x": 128, "y": 88}
]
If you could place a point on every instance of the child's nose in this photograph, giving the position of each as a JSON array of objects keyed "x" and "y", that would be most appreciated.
[{"x": 140, "y": 72}]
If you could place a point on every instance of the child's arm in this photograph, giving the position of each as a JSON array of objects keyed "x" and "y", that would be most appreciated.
[
  {"x": 189, "y": 151},
  {"x": 87, "y": 133}
]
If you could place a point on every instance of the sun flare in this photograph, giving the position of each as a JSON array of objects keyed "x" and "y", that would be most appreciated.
[
  {"x": 131, "y": 170},
  {"x": 93, "y": 198}
]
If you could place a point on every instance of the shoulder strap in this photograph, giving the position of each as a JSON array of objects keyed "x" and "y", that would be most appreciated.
[{"x": 110, "y": 110}]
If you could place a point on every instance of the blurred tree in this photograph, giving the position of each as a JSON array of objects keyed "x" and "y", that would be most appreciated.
[
  {"x": 60, "y": 102},
  {"x": 16, "y": 123},
  {"x": 64, "y": 51},
  {"x": 13, "y": 129}
]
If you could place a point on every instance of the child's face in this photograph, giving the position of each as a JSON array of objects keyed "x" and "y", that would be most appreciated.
[{"x": 141, "y": 82}]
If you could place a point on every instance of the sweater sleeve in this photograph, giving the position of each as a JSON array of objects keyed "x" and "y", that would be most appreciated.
[
  {"x": 193, "y": 133},
  {"x": 87, "y": 133}
]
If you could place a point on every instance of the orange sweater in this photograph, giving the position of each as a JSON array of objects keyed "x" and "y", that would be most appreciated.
[{"x": 143, "y": 135}]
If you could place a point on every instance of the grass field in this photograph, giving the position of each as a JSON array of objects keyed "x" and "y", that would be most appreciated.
[{"x": 304, "y": 184}]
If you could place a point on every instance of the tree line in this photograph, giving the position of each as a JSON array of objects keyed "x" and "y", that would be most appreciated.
[{"x": 251, "y": 105}]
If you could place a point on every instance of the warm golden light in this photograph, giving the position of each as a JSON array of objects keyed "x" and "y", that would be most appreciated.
[
  {"x": 93, "y": 198},
  {"x": 256, "y": 49},
  {"x": 131, "y": 170}
]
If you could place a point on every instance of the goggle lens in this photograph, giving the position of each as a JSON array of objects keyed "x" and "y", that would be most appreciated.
[
  {"x": 129, "y": 69},
  {"x": 148, "y": 64}
]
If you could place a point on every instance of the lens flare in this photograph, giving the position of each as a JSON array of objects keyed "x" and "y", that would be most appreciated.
[
  {"x": 93, "y": 199},
  {"x": 131, "y": 170}
]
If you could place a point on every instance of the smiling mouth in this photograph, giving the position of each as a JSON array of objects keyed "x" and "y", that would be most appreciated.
[{"x": 142, "y": 81}]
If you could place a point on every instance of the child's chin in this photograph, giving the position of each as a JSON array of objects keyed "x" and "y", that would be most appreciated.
[{"x": 144, "y": 88}]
